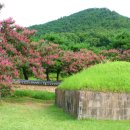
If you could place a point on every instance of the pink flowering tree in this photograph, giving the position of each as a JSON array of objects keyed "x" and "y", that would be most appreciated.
[
  {"x": 7, "y": 72},
  {"x": 114, "y": 54},
  {"x": 51, "y": 58},
  {"x": 16, "y": 42},
  {"x": 111, "y": 54},
  {"x": 125, "y": 56},
  {"x": 17, "y": 54},
  {"x": 74, "y": 62},
  {"x": 54, "y": 59}
]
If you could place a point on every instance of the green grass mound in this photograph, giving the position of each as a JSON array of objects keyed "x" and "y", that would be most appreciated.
[{"x": 111, "y": 76}]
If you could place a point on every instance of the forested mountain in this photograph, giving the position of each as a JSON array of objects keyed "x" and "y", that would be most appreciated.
[
  {"x": 84, "y": 21},
  {"x": 95, "y": 27}
]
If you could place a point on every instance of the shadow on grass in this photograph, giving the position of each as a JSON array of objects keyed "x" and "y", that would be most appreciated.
[{"x": 57, "y": 113}]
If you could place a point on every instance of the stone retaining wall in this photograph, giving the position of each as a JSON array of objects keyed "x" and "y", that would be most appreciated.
[
  {"x": 94, "y": 105},
  {"x": 68, "y": 100}
]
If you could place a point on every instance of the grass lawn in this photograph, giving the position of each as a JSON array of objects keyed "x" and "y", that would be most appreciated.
[
  {"x": 111, "y": 76},
  {"x": 35, "y": 114}
]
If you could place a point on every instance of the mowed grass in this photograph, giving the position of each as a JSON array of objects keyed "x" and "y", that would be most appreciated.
[
  {"x": 33, "y": 114},
  {"x": 110, "y": 76}
]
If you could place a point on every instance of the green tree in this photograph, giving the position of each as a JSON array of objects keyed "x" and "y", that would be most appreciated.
[{"x": 121, "y": 41}]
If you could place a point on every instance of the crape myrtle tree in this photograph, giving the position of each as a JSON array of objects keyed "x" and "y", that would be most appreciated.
[
  {"x": 74, "y": 62},
  {"x": 125, "y": 56},
  {"x": 112, "y": 54},
  {"x": 54, "y": 59},
  {"x": 15, "y": 40},
  {"x": 51, "y": 58},
  {"x": 7, "y": 72},
  {"x": 16, "y": 54}
]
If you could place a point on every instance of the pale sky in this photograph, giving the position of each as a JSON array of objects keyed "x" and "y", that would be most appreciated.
[{"x": 30, "y": 12}]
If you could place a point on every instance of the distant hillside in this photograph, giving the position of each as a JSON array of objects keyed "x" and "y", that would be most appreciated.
[
  {"x": 94, "y": 29},
  {"x": 89, "y": 19}
]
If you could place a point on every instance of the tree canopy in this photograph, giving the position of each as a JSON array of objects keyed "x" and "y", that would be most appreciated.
[{"x": 92, "y": 28}]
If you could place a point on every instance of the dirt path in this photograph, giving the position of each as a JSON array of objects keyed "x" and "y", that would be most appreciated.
[{"x": 34, "y": 87}]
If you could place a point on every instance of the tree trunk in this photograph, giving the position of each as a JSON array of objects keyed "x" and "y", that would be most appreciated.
[
  {"x": 47, "y": 74},
  {"x": 25, "y": 74},
  {"x": 58, "y": 74}
]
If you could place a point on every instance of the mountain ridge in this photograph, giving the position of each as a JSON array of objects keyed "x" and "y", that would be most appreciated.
[{"x": 85, "y": 20}]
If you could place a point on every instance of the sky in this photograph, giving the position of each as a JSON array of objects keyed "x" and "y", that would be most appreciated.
[{"x": 31, "y": 12}]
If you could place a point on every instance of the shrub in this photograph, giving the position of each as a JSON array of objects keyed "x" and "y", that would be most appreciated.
[
  {"x": 111, "y": 54},
  {"x": 5, "y": 89},
  {"x": 44, "y": 95}
]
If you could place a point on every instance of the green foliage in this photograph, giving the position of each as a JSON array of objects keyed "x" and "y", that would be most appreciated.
[
  {"x": 33, "y": 78},
  {"x": 111, "y": 76},
  {"x": 44, "y": 95},
  {"x": 121, "y": 41}
]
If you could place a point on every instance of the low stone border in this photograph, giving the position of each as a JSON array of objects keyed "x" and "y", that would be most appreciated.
[{"x": 36, "y": 82}]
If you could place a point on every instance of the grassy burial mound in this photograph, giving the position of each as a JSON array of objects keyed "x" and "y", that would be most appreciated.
[
  {"x": 99, "y": 92},
  {"x": 110, "y": 76}
]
